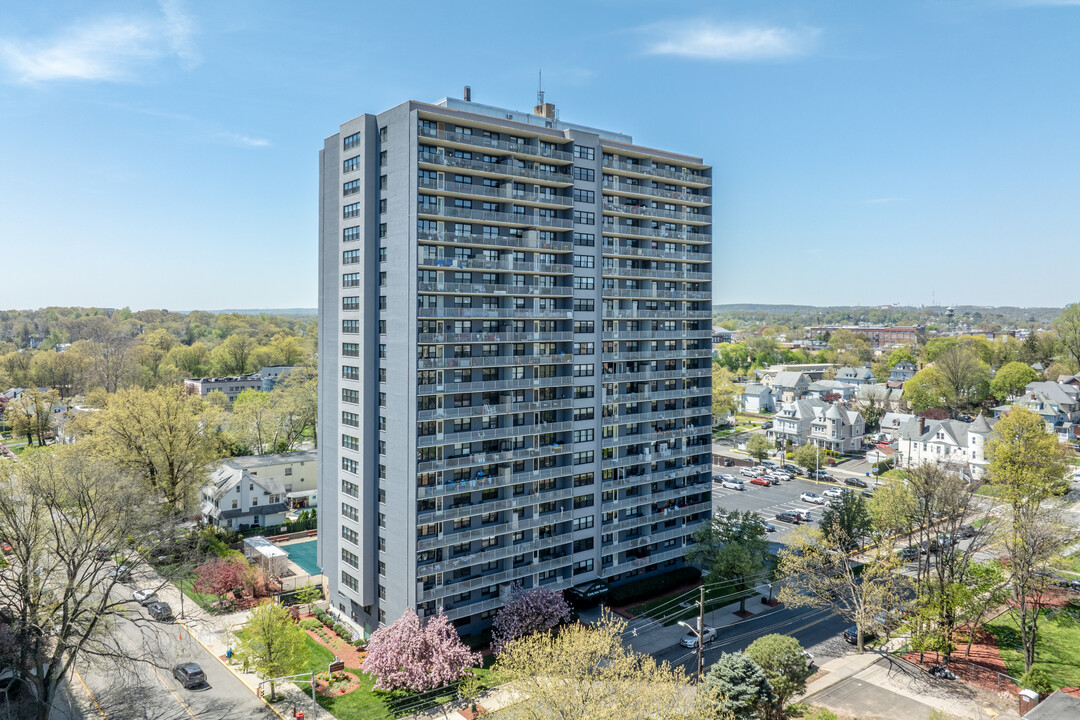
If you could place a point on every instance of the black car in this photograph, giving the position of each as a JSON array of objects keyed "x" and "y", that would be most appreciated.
[
  {"x": 190, "y": 675},
  {"x": 788, "y": 517},
  {"x": 160, "y": 611},
  {"x": 852, "y": 635},
  {"x": 855, "y": 482},
  {"x": 965, "y": 531},
  {"x": 867, "y": 493},
  {"x": 908, "y": 554},
  {"x": 766, "y": 425}
]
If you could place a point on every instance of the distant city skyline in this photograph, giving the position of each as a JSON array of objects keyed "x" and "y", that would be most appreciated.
[{"x": 160, "y": 155}]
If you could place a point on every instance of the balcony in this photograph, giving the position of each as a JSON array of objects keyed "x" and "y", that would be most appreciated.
[
  {"x": 659, "y": 435},
  {"x": 494, "y": 289},
  {"x": 492, "y": 458},
  {"x": 505, "y": 193},
  {"x": 511, "y": 526},
  {"x": 530, "y": 241},
  {"x": 659, "y": 395},
  {"x": 631, "y": 272},
  {"x": 645, "y": 211},
  {"x": 658, "y": 294},
  {"x": 453, "y": 513},
  {"x": 685, "y": 254},
  {"x": 453, "y": 588},
  {"x": 482, "y": 314},
  {"x": 624, "y": 188},
  {"x": 656, "y": 557},
  {"x": 499, "y": 337},
  {"x": 496, "y": 169},
  {"x": 532, "y": 151},
  {"x": 644, "y": 314},
  {"x": 490, "y": 216},
  {"x": 682, "y": 235},
  {"x": 647, "y": 375},
  {"x": 452, "y": 438},
  {"x": 480, "y": 361},
  {"x": 684, "y": 176},
  {"x": 490, "y": 410},
  {"x": 451, "y": 487},
  {"x": 644, "y": 417},
  {"x": 660, "y": 455},
  {"x": 448, "y": 388},
  {"x": 474, "y": 263},
  {"x": 655, "y": 355},
  {"x": 658, "y": 476},
  {"x": 648, "y": 335}
]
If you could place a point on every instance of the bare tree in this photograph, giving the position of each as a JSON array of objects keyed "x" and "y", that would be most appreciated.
[{"x": 68, "y": 518}]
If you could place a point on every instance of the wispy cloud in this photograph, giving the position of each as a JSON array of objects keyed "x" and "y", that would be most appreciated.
[
  {"x": 739, "y": 43},
  {"x": 243, "y": 140},
  {"x": 109, "y": 49}
]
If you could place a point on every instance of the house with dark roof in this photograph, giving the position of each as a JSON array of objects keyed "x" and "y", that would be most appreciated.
[
  {"x": 1056, "y": 403},
  {"x": 757, "y": 398},
  {"x": 1059, "y": 705},
  {"x": 821, "y": 388},
  {"x": 902, "y": 372},
  {"x": 827, "y": 425},
  {"x": 855, "y": 376},
  {"x": 789, "y": 385},
  {"x": 949, "y": 442}
]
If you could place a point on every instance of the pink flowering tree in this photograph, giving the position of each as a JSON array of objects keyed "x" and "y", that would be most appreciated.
[
  {"x": 412, "y": 655},
  {"x": 526, "y": 612}
]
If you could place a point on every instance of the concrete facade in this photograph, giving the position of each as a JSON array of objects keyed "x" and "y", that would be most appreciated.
[{"x": 514, "y": 345}]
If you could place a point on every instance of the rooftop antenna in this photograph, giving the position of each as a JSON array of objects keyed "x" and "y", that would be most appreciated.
[{"x": 540, "y": 87}]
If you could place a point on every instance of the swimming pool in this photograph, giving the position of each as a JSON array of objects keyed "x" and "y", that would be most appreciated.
[{"x": 303, "y": 554}]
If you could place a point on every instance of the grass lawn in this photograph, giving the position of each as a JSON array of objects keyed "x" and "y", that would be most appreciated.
[
  {"x": 1057, "y": 647},
  {"x": 366, "y": 703},
  {"x": 206, "y": 602},
  {"x": 991, "y": 491},
  {"x": 895, "y": 473},
  {"x": 1069, "y": 563}
]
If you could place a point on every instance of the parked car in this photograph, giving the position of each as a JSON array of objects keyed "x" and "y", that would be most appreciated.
[
  {"x": 189, "y": 674},
  {"x": 145, "y": 597},
  {"x": 768, "y": 463},
  {"x": 160, "y": 611},
  {"x": 776, "y": 476},
  {"x": 965, "y": 531},
  {"x": 855, "y": 482},
  {"x": 793, "y": 469},
  {"x": 690, "y": 640},
  {"x": 787, "y": 517},
  {"x": 120, "y": 573},
  {"x": 852, "y": 634},
  {"x": 102, "y": 553},
  {"x": 907, "y": 554},
  {"x": 760, "y": 481},
  {"x": 804, "y": 515},
  {"x": 767, "y": 425},
  {"x": 809, "y": 659},
  {"x": 747, "y": 472},
  {"x": 769, "y": 527},
  {"x": 733, "y": 484},
  {"x": 814, "y": 498},
  {"x": 867, "y": 493},
  {"x": 833, "y": 493},
  {"x": 725, "y": 478}
]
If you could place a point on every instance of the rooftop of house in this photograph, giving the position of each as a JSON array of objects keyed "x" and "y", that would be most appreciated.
[
  {"x": 853, "y": 373},
  {"x": 1058, "y": 706},
  {"x": 790, "y": 378},
  {"x": 246, "y": 462},
  {"x": 957, "y": 430}
]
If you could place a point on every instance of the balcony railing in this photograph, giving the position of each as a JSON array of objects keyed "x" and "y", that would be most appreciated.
[
  {"x": 471, "y": 214},
  {"x": 643, "y": 314},
  {"x": 499, "y": 337},
  {"x": 676, "y": 195},
  {"x": 648, "y": 375},
  {"x": 655, "y": 355},
  {"x": 491, "y": 385},
  {"x": 513, "y": 525},
  {"x": 479, "y": 361},
  {"x": 482, "y": 314},
  {"x": 495, "y": 457},
  {"x": 453, "y": 438},
  {"x": 495, "y": 289},
  {"x": 506, "y": 192},
  {"x": 659, "y": 455},
  {"x": 530, "y": 241},
  {"x": 506, "y": 479},
  {"x": 457, "y": 263},
  {"x": 485, "y": 142},
  {"x": 675, "y": 235},
  {"x": 660, "y": 395},
  {"x": 658, "y": 294},
  {"x": 631, "y": 272},
  {"x": 683, "y": 254},
  {"x": 444, "y": 160},
  {"x": 657, "y": 436},
  {"x": 489, "y": 410},
  {"x": 684, "y": 176},
  {"x": 650, "y": 212}
]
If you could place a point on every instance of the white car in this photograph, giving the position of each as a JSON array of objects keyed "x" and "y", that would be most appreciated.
[
  {"x": 733, "y": 484},
  {"x": 689, "y": 640},
  {"x": 812, "y": 498},
  {"x": 804, "y": 515},
  {"x": 145, "y": 597},
  {"x": 747, "y": 471},
  {"x": 725, "y": 478},
  {"x": 833, "y": 493}
]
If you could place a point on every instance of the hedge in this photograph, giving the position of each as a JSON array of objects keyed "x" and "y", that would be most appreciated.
[{"x": 650, "y": 587}]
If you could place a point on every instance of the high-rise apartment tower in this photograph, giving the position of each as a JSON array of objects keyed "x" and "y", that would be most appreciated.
[{"x": 514, "y": 358}]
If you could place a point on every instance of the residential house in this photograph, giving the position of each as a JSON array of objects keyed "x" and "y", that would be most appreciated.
[
  {"x": 1071, "y": 380},
  {"x": 882, "y": 394},
  {"x": 837, "y": 429},
  {"x": 953, "y": 442},
  {"x": 792, "y": 421},
  {"x": 757, "y": 398},
  {"x": 816, "y": 371},
  {"x": 823, "y": 388},
  {"x": 721, "y": 335},
  {"x": 1056, "y": 403},
  {"x": 855, "y": 376},
  {"x": 902, "y": 372},
  {"x": 788, "y": 386},
  {"x": 891, "y": 422},
  {"x": 260, "y": 490}
]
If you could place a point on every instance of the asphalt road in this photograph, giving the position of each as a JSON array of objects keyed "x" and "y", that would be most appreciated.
[
  {"x": 816, "y": 630},
  {"x": 146, "y": 689}
]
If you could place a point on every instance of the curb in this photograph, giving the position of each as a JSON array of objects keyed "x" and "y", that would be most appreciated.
[{"x": 230, "y": 669}]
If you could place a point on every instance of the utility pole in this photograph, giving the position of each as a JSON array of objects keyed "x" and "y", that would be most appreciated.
[{"x": 701, "y": 635}]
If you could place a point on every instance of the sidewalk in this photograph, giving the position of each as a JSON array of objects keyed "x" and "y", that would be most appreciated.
[{"x": 214, "y": 632}]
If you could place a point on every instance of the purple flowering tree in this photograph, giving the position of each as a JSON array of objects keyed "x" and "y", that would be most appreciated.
[
  {"x": 412, "y": 655},
  {"x": 526, "y": 612}
]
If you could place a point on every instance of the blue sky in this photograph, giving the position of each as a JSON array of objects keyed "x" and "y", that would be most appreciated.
[{"x": 165, "y": 154}]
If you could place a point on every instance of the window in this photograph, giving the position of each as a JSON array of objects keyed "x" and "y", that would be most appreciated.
[
  {"x": 382, "y": 230},
  {"x": 586, "y": 370},
  {"x": 584, "y": 196},
  {"x": 584, "y": 413},
  {"x": 382, "y": 254},
  {"x": 583, "y": 261},
  {"x": 583, "y": 567},
  {"x": 584, "y": 326},
  {"x": 350, "y": 396},
  {"x": 584, "y": 283},
  {"x": 350, "y": 349},
  {"x": 351, "y": 141},
  {"x": 586, "y": 174},
  {"x": 349, "y": 581},
  {"x": 350, "y": 512},
  {"x": 349, "y": 280},
  {"x": 350, "y": 302},
  {"x": 350, "y": 188},
  {"x": 583, "y": 501},
  {"x": 584, "y": 239},
  {"x": 350, "y": 488},
  {"x": 585, "y": 348},
  {"x": 585, "y": 435},
  {"x": 584, "y": 304},
  {"x": 350, "y": 535},
  {"x": 350, "y": 257},
  {"x": 349, "y": 442},
  {"x": 585, "y": 153},
  {"x": 583, "y": 545},
  {"x": 581, "y": 458},
  {"x": 583, "y": 523},
  {"x": 351, "y": 165},
  {"x": 382, "y": 158},
  {"x": 382, "y": 206},
  {"x": 350, "y": 465},
  {"x": 350, "y": 326},
  {"x": 584, "y": 218},
  {"x": 351, "y": 211},
  {"x": 350, "y": 558},
  {"x": 382, "y": 133},
  {"x": 352, "y": 419},
  {"x": 382, "y": 182}
]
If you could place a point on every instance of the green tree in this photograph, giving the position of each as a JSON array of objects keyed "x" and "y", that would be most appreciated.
[
  {"x": 725, "y": 394},
  {"x": 782, "y": 659},
  {"x": 922, "y": 393},
  {"x": 732, "y": 549},
  {"x": 309, "y": 595},
  {"x": 900, "y": 355},
  {"x": 233, "y": 355},
  {"x": 846, "y": 521},
  {"x": 758, "y": 446},
  {"x": 739, "y": 685},
  {"x": 892, "y": 508},
  {"x": 1011, "y": 380},
  {"x": 809, "y": 456},
  {"x": 963, "y": 377},
  {"x": 1067, "y": 328},
  {"x": 271, "y": 642},
  {"x": 164, "y": 435},
  {"x": 32, "y": 414}
]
